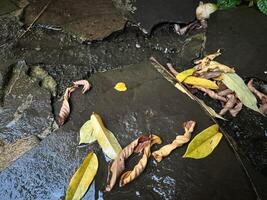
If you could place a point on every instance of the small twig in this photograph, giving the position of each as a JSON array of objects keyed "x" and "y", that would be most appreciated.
[{"x": 35, "y": 19}]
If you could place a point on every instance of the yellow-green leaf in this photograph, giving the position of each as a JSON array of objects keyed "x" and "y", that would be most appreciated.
[
  {"x": 184, "y": 74},
  {"x": 87, "y": 133},
  {"x": 204, "y": 143},
  {"x": 82, "y": 178},
  {"x": 236, "y": 84},
  {"x": 192, "y": 80},
  {"x": 105, "y": 138}
]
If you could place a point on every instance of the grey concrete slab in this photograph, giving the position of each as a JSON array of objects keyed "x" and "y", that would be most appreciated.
[{"x": 150, "y": 105}]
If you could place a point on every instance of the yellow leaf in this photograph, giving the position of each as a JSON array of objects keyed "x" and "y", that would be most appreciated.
[
  {"x": 105, "y": 138},
  {"x": 184, "y": 74},
  {"x": 204, "y": 143},
  {"x": 94, "y": 129},
  {"x": 192, "y": 80},
  {"x": 121, "y": 87},
  {"x": 82, "y": 178},
  {"x": 87, "y": 133}
]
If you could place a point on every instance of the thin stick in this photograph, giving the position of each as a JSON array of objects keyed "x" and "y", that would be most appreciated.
[{"x": 36, "y": 18}]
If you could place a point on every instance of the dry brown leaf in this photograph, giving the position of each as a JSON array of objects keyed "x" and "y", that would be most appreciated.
[
  {"x": 65, "y": 108},
  {"x": 84, "y": 83},
  {"x": 204, "y": 61},
  {"x": 231, "y": 101},
  {"x": 209, "y": 75},
  {"x": 211, "y": 93},
  {"x": 118, "y": 164},
  {"x": 260, "y": 95},
  {"x": 214, "y": 65},
  {"x": 234, "y": 111},
  {"x": 179, "y": 141},
  {"x": 141, "y": 165},
  {"x": 225, "y": 92}
]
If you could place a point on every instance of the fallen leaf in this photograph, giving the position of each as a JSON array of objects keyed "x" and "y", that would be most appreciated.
[
  {"x": 211, "y": 93},
  {"x": 204, "y": 143},
  {"x": 179, "y": 141},
  {"x": 95, "y": 129},
  {"x": 118, "y": 165},
  {"x": 205, "y": 83},
  {"x": 184, "y": 74},
  {"x": 236, "y": 84},
  {"x": 121, "y": 87},
  {"x": 129, "y": 176},
  {"x": 231, "y": 101},
  {"x": 65, "y": 108},
  {"x": 84, "y": 83},
  {"x": 214, "y": 65},
  {"x": 86, "y": 133},
  {"x": 82, "y": 178}
]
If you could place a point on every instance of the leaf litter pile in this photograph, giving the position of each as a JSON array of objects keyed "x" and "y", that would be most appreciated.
[{"x": 221, "y": 83}]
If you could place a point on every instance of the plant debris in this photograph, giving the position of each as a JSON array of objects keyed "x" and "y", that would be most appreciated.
[
  {"x": 65, "y": 108},
  {"x": 219, "y": 82},
  {"x": 129, "y": 176},
  {"x": 94, "y": 129},
  {"x": 84, "y": 83},
  {"x": 121, "y": 87},
  {"x": 260, "y": 95},
  {"x": 204, "y": 143},
  {"x": 179, "y": 141},
  {"x": 141, "y": 144},
  {"x": 82, "y": 178}
]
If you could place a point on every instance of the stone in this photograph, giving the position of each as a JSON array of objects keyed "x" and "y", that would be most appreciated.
[
  {"x": 150, "y": 13},
  {"x": 26, "y": 107},
  {"x": 10, "y": 152},
  {"x": 87, "y": 19},
  {"x": 150, "y": 105},
  {"x": 241, "y": 34}
]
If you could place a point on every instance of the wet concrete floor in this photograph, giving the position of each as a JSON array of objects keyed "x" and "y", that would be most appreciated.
[{"x": 44, "y": 172}]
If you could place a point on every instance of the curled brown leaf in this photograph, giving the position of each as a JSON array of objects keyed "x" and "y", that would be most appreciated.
[
  {"x": 231, "y": 101},
  {"x": 211, "y": 93},
  {"x": 171, "y": 68},
  {"x": 179, "y": 141},
  {"x": 234, "y": 111},
  {"x": 260, "y": 95},
  {"x": 84, "y": 83},
  {"x": 118, "y": 164},
  {"x": 209, "y": 75},
  {"x": 141, "y": 165},
  {"x": 225, "y": 92},
  {"x": 65, "y": 108}
]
